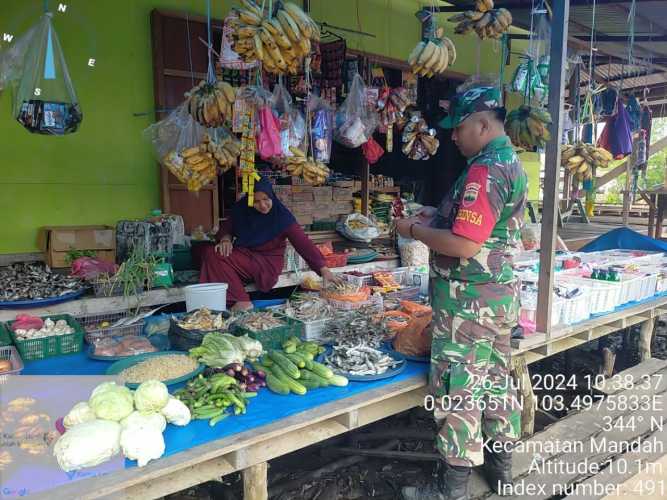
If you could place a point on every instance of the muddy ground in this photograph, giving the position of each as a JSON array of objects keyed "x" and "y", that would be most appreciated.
[{"x": 382, "y": 478}]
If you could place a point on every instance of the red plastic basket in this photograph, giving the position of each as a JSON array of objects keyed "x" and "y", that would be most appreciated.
[{"x": 336, "y": 260}]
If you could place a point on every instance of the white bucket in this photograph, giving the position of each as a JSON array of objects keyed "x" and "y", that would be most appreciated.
[{"x": 210, "y": 295}]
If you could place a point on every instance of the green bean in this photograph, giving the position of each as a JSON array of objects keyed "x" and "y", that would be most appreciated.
[{"x": 217, "y": 419}]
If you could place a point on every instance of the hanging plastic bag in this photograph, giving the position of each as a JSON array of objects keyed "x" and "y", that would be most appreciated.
[
  {"x": 268, "y": 136},
  {"x": 356, "y": 119},
  {"x": 357, "y": 227},
  {"x": 181, "y": 145},
  {"x": 292, "y": 123},
  {"x": 415, "y": 338},
  {"x": 229, "y": 58},
  {"x": 44, "y": 98},
  {"x": 372, "y": 151},
  {"x": 412, "y": 252},
  {"x": 321, "y": 128}
]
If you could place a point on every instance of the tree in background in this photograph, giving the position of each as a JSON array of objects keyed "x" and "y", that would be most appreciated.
[{"x": 655, "y": 173}]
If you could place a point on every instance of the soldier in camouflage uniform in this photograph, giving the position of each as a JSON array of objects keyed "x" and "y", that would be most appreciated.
[{"x": 472, "y": 235}]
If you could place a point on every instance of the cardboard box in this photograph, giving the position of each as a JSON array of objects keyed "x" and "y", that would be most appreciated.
[
  {"x": 342, "y": 194},
  {"x": 301, "y": 207},
  {"x": 322, "y": 210},
  {"x": 302, "y": 189},
  {"x": 344, "y": 184},
  {"x": 303, "y": 196},
  {"x": 343, "y": 208},
  {"x": 57, "y": 241},
  {"x": 322, "y": 193}
]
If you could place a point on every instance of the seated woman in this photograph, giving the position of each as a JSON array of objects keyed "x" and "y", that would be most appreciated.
[{"x": 251, "y": 247}]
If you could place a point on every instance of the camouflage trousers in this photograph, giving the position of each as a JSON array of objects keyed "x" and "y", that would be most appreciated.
[{"x": 474, "y": 398}]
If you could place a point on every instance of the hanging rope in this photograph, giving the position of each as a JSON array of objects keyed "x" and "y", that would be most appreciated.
[
  {"x": 192, "y": 71},
  {"x": 210, "y": 76},
  {"x": 504, "y": 41},
  {"x": 631, "y": 38}
]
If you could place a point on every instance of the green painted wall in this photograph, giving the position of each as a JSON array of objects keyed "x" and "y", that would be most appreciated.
[{"x": 106, "y": 171}]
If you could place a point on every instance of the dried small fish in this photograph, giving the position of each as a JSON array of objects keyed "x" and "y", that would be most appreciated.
[
  {"x": 34, "y": 282},
  {"x": 360, "y": 360},
  {"x": 203, "y": 319},
  {"x": 308, "y": 307},
  {"x": 352, "y": 327},
  {"x": 260, "y": 321}
]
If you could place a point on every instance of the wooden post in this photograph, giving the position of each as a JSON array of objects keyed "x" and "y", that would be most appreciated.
[
  {"x": 525, "y": 395},
  {"x": 365, "y": 180},
  {"x": 561, "y": 14},
  {"x": 645, "y": 338},
  {"x": 627, "y": 200},
  {"x": 651, "y": 214},
  {"x": 660, "y": 217},
  {"x": 255, "y": 485}
]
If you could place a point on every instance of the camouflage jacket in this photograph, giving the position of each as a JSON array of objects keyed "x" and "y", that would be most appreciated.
[{"x": 485, "y": 205}]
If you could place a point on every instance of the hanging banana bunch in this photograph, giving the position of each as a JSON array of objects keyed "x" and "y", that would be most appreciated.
[
  {"x": 580, "y": 159},
  {"x": 313, "y": 172},
  {"x": 432, "y": 57},
  {"x": 225, "y": 152},
  {"x": 211, "y": 104},
  {"x": 247, "y": 162},
  {"x": 280, "y": 42},
  {"x": 486, "y": 21},
  {"x": 528, "y": 127}
]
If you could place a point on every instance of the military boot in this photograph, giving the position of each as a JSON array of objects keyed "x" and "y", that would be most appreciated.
[
  {"x": 451, "y": 484},
  {"x": 498, "y": 470}
]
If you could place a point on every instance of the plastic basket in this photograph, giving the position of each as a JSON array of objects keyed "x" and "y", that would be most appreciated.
[
  {"x": 604, "y": 296},
  {"x": 375, "y": 301},
  {"x": 54, "y": 345},
  {"x": 336, "y": 260},
  {"x": 274, "y": 337},
  {"x": 10, "y": 353},
  {"x": 182, "y": 339},
  {"x": 576, "y": 309},
  {"x": 631, "y": 288},
  {"x": 5, "y": 337},
  {"x": 409, "y": 280},
  {"x": 93, "y": 332},
  {"x": 311, "y": 330}
]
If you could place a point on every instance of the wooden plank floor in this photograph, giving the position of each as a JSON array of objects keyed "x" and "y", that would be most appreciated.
[
  {"x": 577, "y": 234},
  {"x": 591, "y": 453}
]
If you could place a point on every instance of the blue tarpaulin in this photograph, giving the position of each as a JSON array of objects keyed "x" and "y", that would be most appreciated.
[{"x": 625, "y": 239}]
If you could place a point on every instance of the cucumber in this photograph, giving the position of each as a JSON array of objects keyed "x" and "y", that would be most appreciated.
[
  {"x": 279, "y": 373},
  {"x": 276, "y": 385},
  {"x": 281, "y": 360},
  {"x": 322, "y": 370},
  {"x": 306, "y": 354},
  {"x": 338, "y": 380},
  {"x": 296, "y": 359},
  {"x": 307, "y": 362},
  {"x": 310, "y": 376},
  {"x": 309, "y": 384},
  {"x": 266, "y": 361},
  {"x": 296, "y": 387}
]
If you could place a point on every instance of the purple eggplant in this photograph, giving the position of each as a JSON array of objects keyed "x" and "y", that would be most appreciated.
[
  {"x": 244, "y": 372},
  {"x": 260, "y": 374},
  {"x": 238, "y": 367},
  {"x": 231, "y": 372},
  {"x": 252, "y": 388},
  {"x": 242, "y": 386},
  {"x": 261, "y": 383},
  {"x": 250, "y": 379}
]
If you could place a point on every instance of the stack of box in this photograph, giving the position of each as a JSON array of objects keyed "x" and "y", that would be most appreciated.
[{"x": 316, "y": 203}]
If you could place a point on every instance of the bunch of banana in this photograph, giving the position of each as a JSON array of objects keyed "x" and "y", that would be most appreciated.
[
  {"x": 280, "y": 42},
  {"x": 313, "y": 172},
  {"x": 528, "y": 127},
  {"x": 419, "y": 141},
  {"x": 211, "y": 104},
  {"x": 432, "y": 57},
  {"x": 485, "y": 20},
  {"x": 226, "y": 152},
  {"x": 195, "y": 167},
  {"x": 580, "y": 158}
]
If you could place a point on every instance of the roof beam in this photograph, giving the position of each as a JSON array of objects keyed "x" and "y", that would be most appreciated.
[{"x": 522, "y": 4}]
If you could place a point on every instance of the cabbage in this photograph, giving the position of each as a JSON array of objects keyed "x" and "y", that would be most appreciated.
[
  {"x": 176, "y": 412},
  {"x": 138, "y": 419},
  {"x": 106, "y": 386},
  {"x": 80, "y": 413},
  {"x": 87, "y": 444},
  {"x": 113, "y": 403},
  {"x": 151, "y": 396},
  {"x": 252, "y": 349},
  {"x": 142, "y": 444}
]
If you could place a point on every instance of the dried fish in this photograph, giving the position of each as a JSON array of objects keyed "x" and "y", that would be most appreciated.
[
  {"x": 308, "y": 307},
  {"x": 203, "y": 319},
  {"x": 352, "y": 327},
  {"x": 260, "y": 321},
  {"x": 35, "y": 282},
  {"x": 360, "y": 360}
]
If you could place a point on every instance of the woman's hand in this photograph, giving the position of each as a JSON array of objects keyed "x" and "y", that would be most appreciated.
[
  {"x": 327, "y": 275},
  {"x": 225, "y": 247}
]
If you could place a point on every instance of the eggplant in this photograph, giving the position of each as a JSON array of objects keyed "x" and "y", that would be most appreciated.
[
  {"x": 238, "y": 367},
  {"x": 231, "y": 372},
  {"x": 242, "y": 386},
  {"x": 252, "y": 388},
  {"x": 261, "y": 383},
  {"x": 250, "y": 379},
  {"x": 244, "y": 372},
  {"x": 260, "y": 374}
]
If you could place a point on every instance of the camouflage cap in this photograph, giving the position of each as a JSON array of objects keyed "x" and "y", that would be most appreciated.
[{"x": 473, "y": 100}]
